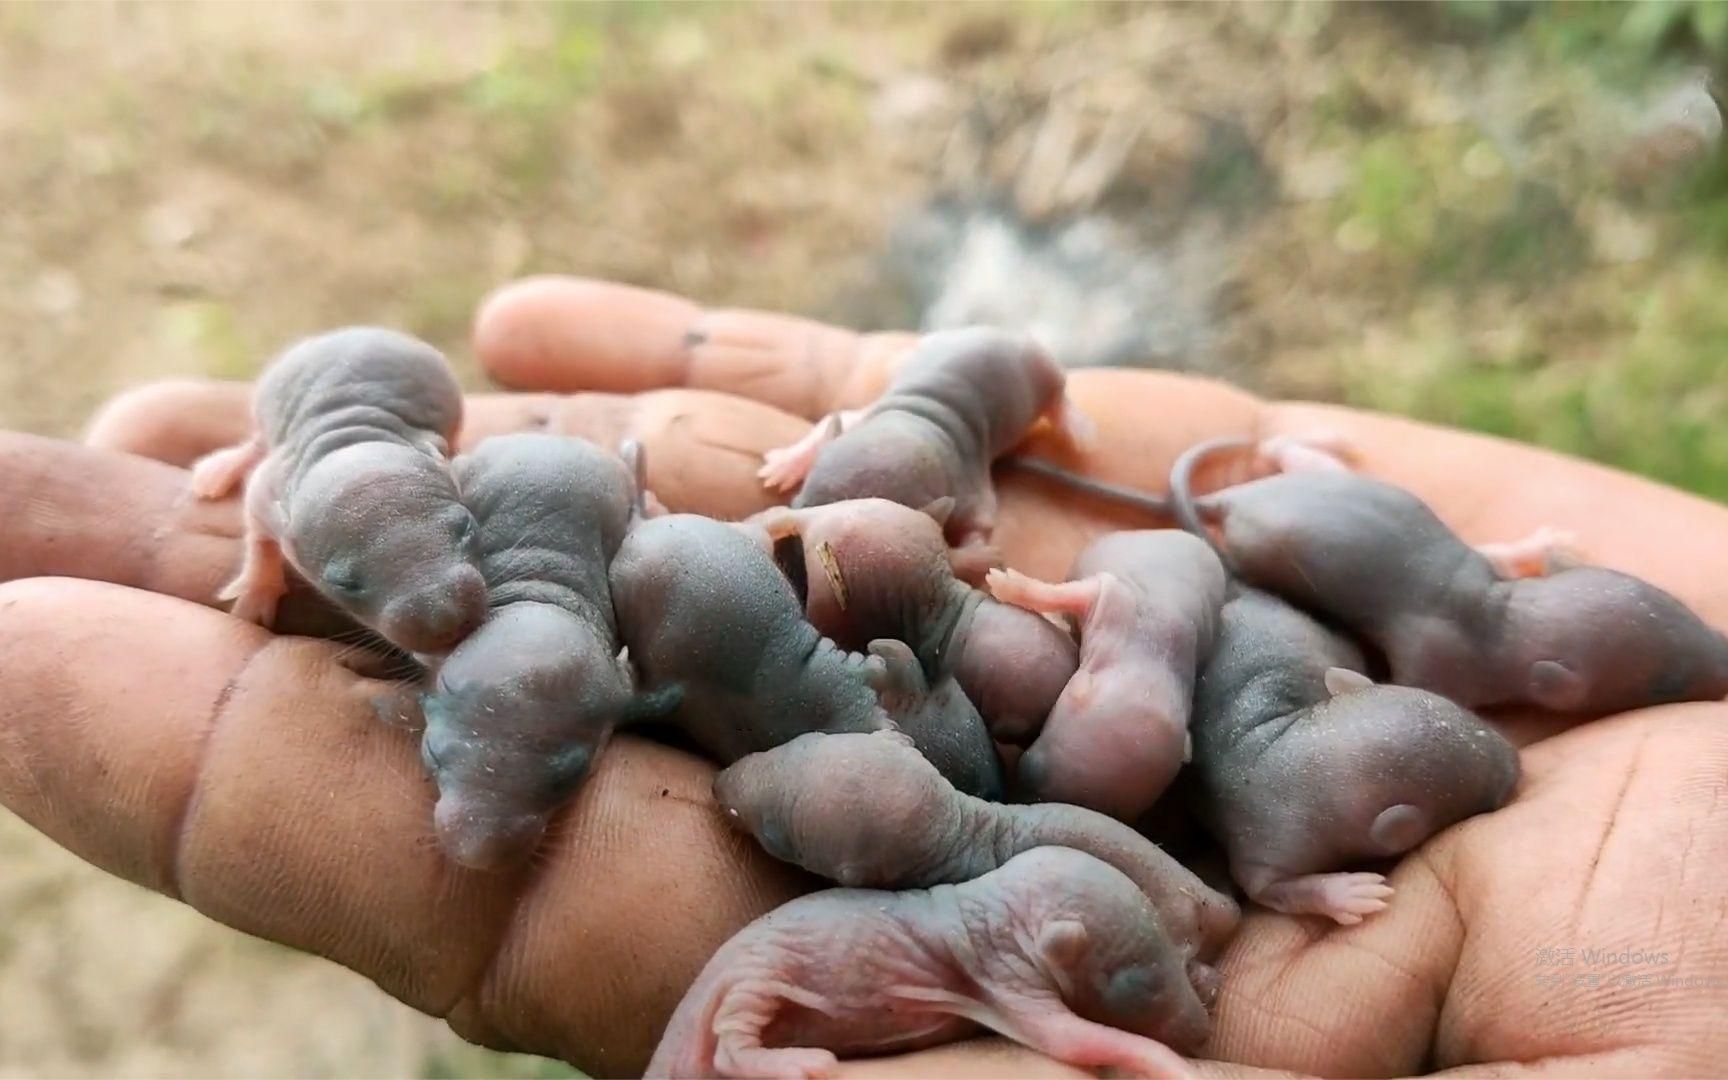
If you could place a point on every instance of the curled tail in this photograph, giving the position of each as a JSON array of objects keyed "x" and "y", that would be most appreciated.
[
  {"x": 1182, "y": 501},
  {"x": 1156, "y": 505}
]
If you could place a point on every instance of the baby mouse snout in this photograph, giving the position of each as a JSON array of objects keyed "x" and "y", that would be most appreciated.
[
  {"x": 479, "y": 840},
  {"x": 435, "y": 619}
]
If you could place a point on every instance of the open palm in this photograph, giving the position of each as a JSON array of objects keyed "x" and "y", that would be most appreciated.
[{"x": 247, "y": 773}]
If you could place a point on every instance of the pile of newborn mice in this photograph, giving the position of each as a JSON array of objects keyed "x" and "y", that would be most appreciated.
[{"x": 1296, "y": 666}]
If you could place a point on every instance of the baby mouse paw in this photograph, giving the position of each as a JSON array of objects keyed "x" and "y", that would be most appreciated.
[
  {"x": 218, "y": 473},
  {"x": 1315, "y": 451},
  {"x": 1074, "y": 427},
  {"x": 1345, "y": 898},
  {"x": 1545, "y": 551},
  {"x": 782, "y": 470}
]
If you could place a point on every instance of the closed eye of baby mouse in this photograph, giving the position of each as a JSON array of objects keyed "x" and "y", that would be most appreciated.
[{"x": 345, "y": 580}]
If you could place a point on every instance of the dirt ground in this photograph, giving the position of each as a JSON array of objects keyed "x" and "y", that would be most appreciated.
[{"x": 185, "y": 187}]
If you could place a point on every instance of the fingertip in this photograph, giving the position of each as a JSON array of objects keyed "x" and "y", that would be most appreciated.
[
  {"x": 176, "y": 421},
  {"x": 567, "y": 333},
  {"x": 703, "y": 450}
]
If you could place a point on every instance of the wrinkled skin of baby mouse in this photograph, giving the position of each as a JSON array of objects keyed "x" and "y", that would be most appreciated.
[
  {"x": 1590, "y": 640},
  {"x": 1374, "y": 557},
  {"x": 518, "y": 714},
  {"x": 868, "y": 810},
  {"x": 875, "y": 569},
  {"x": 1054, "y": 949},
  {"x": 702, "y": 605},
  {"x": 939, "y": 719},
  {"x": 388, "y": 539},
  {"x": 961, "y": 400},
  {"x": 1147, "y": 607},
  {"x": 347, "y": 480},
  {"x": 1306, "y": 768}
]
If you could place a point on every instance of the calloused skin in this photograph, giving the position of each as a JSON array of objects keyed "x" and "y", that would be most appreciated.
[{"x": 253, "y": 780}]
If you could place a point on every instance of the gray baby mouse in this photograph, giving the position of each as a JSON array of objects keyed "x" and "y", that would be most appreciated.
[
  {"x": 1306, "y": 766},
  {"x": 517, "y": 713},
  {"x": 702, "y": 605},
  {"x": 347, "y": 480},
  {"x": 961, "y": 400},
  {"x": 1495, "y": 625}
]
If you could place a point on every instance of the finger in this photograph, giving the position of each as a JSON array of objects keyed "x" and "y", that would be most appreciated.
[
  {"x": 705, "y": 447},
  {"x": 177, "y": 422},
  {"x": 567, "y": 334},
  {"x": 120, "y": 517},
  {"x": 975, "y": 1059},
  {"x": 258, "y": 786},
  {"x": 80, "y": 512},
  {"x": 702, "y": 448},
  {"x": 1304, "y": 995}
]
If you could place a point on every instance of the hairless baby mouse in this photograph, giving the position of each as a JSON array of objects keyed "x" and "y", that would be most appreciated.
[
  {"x": 1147, "y": 605},
  {"x": 961, "y": 400},
  {"x": 1487, "y": 626},
  {"x": 702, "y": 605},
  {"x": 1305, "y": 766},
  {"x": 877, "y": 569},
  {"x": 519, "y": 710},
  {"x": 1055, "y": 950},
  {"x": 347, "y": 479},
  {"x": 868, "y": 810}
]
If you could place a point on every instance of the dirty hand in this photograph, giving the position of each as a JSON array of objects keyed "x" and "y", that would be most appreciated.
[{"x": 246, "y": 773}]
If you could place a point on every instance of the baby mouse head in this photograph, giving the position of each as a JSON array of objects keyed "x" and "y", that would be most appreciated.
[
  {"x": 1016, "y": 664},
  {"x": 840, "y": 805},
  {"x": 518, "y": 714},
  {"x": 1598, "y": 641},
  {"x": 1099, "y": 939},
  {"x": 379, "y": 530},
  {"x": 939, "y": 718}
]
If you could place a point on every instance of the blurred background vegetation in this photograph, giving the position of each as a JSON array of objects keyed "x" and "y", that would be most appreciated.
[{"x": 1502, "y": 215}]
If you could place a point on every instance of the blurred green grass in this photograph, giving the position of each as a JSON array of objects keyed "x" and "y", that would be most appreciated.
[{"x": 1626, "y": 365}]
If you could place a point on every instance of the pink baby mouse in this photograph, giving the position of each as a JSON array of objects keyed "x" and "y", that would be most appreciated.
[
  {"x": 347, "y": 481},
  {"x": 1055, "y": 950},
  {"x": 867, "y": 810},
  {"x": 1147, "y": 604},
  {"x": 962, "y": 399}
]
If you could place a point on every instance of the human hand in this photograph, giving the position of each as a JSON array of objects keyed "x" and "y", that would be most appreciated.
[{"x": 246, "y": 773}]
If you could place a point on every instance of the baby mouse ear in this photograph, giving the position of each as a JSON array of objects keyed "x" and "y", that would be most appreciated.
[
  {"x": 942, "y": 509},
  {"x": 434, "y": 447},
  {"x": 896, "y": 669},
  {"x": 893, "y": 733},
  {"x": 1556, "y": 687},
  {"x": 1062, "y": 943},
  {"x": 1344, "y": 681}
]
